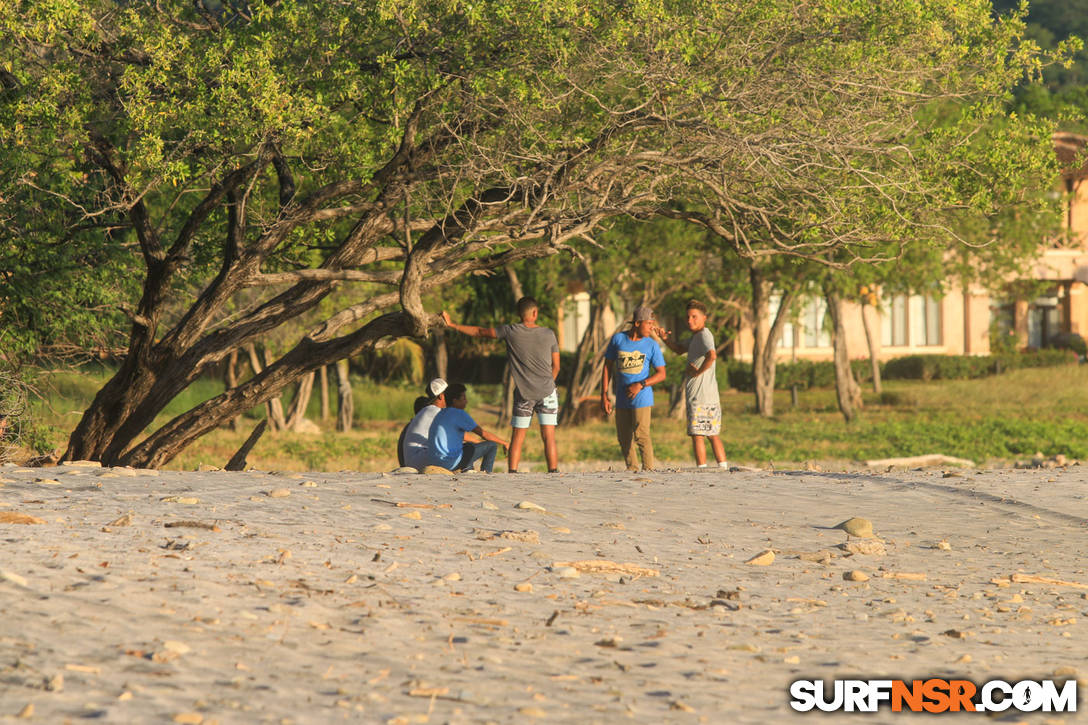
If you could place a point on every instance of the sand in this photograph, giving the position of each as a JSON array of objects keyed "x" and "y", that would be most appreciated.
[{"x": 605, "y": 597}]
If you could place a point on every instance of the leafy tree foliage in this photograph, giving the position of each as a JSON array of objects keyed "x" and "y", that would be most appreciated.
[
  {"x": 243, "y": 161},
  {"x": 1064, "y": 92}
]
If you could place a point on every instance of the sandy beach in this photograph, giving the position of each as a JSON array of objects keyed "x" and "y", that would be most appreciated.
[{"x": 201, "y": 597}]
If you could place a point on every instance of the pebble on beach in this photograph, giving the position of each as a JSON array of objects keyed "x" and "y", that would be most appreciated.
[
  {"x": 14, "y": 517},
  {"x": 125, "y": 520},
  {"x": 763, "y": 558}
]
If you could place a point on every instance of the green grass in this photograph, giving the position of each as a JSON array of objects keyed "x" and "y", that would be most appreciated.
[
  {"x": 991, "y": 420},
  {"x": 998, "y": 418}
]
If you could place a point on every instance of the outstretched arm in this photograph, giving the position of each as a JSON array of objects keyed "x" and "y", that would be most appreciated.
[
  {"x": 470, "y": 330},
  {"x": 491, "y": 437}
]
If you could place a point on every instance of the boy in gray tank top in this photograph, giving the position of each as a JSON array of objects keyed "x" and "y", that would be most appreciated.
[
  {"x": 534, "y": 364},
  {"x": 703, "y": 402}
]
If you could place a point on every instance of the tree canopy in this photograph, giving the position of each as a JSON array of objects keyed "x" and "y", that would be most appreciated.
[{"x": 229, "y": 165}]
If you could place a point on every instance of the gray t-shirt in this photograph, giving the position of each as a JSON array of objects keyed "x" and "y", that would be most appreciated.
[
  {"x": 702, "y": 389},
  {"x": 530, "y": 350},
  {"x": 415, "y": 439}
]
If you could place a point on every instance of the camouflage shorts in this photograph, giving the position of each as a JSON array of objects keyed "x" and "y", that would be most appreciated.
[{"x": 546, "y": 409}]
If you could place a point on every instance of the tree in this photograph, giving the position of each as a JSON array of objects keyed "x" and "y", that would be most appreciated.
[
  {"x": 294, "y": 147},
  {"x": 630, "y": 262},
  {"x": 1063, "y": 94},
  {"x": 396, "y": 146},
  {"x": 767, "y": 278},
  {"x": 856, "y": 150}
]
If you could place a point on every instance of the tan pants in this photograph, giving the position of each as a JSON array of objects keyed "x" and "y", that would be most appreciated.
[{"x": 633, "y": 427}]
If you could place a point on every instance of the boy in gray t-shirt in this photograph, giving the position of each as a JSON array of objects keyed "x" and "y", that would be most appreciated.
[
  {"x": 704, "y": 407},
  {"x": 534, "y": 365}
]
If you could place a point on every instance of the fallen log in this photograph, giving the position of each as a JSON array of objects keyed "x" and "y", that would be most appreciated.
[
  {"x": 1032, "y": 579},
  {"x": 603, "y": 566},
  {"x": 931, "y": 459}
]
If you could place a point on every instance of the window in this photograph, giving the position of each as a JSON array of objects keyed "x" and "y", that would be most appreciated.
[
  {"x": 811, "y": 328},
  {"x": 815, "y": 323},
  {"x": 1044, "y": 319},
  {"x": 913, "y": 321},
  {"x": 576, "y": 309}
]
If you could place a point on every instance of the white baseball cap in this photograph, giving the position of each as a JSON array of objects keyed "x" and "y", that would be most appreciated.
[{"x": 436, "y": 387}]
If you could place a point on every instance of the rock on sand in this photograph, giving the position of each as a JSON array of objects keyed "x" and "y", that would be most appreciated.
[{"x": 856, "y": 526}]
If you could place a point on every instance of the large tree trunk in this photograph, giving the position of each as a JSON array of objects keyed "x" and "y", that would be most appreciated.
[
  {"x": 870, "y": 341},
  {"x": 165, "y": 443},
  {"x": 766, "y": 336},
  {"x": 441, "y": 354},
  {"x": 345, "y": 404},
  {"x": 847, "y": 390}
]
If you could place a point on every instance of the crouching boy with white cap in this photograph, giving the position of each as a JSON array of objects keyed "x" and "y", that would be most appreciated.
[{"x": 414, "y": 449}]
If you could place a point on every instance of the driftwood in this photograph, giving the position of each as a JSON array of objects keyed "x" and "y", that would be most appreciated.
[
  {"x": 237, "y": 462},
  {"x": 603, "y": 566},
  {"x": 931, "y": 459},
  {"x": 912, "y": 576},
  {"x": 191, "y": 525},
  {"x": 405, "y": 505},
  {"x": 1032, "y": 579}
]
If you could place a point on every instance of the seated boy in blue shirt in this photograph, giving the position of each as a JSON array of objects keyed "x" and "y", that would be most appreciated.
[{"x": 446, "y": 441}]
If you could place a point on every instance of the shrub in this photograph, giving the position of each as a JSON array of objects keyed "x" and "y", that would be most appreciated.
[
  {"x": 1069, "y": 341},
  {"x": 899, "y": 399},
  {"x": 808, "y": 374}
]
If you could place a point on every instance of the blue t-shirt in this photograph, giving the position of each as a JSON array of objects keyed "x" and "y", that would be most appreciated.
[
  {"x": 446, "y": 439},
  {"x": 635, "y": 361}
]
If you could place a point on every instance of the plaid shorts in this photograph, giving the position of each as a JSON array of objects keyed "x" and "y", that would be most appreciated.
[
  {"x": 704, "y": 419},
  {"x": 546, "y": 409}
]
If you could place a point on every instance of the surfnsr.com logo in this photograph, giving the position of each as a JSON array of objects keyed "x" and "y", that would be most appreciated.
[{"x": 934, "y": 695}]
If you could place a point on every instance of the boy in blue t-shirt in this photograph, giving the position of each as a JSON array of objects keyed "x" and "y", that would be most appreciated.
[
  {"x": 638, "y": 364},
  {"x": 446, "y": 440}
]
